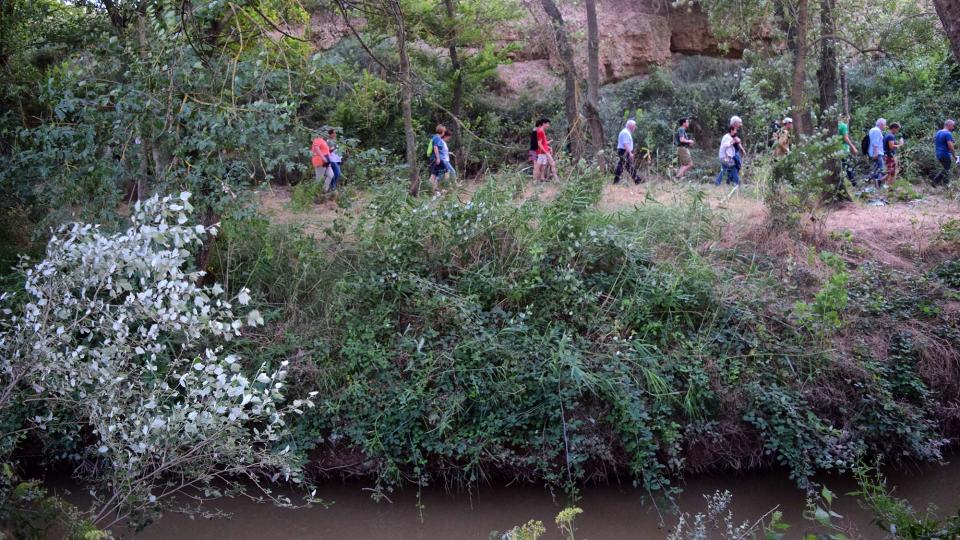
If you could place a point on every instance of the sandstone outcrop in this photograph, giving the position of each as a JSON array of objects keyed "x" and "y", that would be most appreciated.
[{"x": 635, "y": 35}]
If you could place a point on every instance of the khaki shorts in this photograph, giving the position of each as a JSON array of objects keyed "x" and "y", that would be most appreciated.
[
  {"x": 544, "y": 159},
  {"x": 683, "y": 155}
]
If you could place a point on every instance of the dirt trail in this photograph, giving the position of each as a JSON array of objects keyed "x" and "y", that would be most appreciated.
[{"x": 896, "y": 235}]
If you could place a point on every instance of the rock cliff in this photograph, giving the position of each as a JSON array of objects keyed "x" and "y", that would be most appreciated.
[{"x": 635, "y": 35}]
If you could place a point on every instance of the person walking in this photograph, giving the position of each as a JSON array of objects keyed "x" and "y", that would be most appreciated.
[
  {"x": 783, "y": 138},
  {"x": 437, "y": 169},
  {"x": 727, "y": 155},
  {"x": 625, "y": 158},
  {"x": 875, "y": 151},
  {"x": 890, "y": 146},
  {"x": 319, "y": 151},
  {"x": 333, "y": 162},
  {"x": 445, "y": 154},
  {"x": 534, "y": 144},
  {"x": 546, "y": 166},
  {"x": 946, "y": 152},
  {"x": 737, "y": 123},
  {"x": 846, "y": 163},
  {"x": 683, "y": 144}
]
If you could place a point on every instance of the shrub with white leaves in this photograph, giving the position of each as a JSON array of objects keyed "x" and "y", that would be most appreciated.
[{"x": 117, "y": 335}]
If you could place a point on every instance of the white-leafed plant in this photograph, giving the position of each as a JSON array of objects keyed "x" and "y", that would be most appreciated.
[{"x": 117, "y": 339}]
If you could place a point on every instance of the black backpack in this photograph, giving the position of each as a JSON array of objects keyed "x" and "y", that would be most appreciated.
[{"x": 865, "y": 145}]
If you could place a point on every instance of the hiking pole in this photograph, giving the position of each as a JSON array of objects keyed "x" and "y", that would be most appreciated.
[{"x": 732, "y": 191}]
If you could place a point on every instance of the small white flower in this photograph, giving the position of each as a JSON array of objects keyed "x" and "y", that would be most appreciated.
[{"x": 254, "y": 318}]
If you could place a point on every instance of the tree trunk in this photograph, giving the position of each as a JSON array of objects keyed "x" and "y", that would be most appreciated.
[
  {"x": 949, "y": 12},
  {"x": 845, "y": 90},
  {"x": 827, "y": 78},
  {"x": 456, "y": 106},
  {"x": 593, "y": 83},
  {"x": 827, "y": 73},
  {"x": 406, "y": 97},
  {"x": 572, "y": 98},
  {"x": 797, "y": 94},
  {"x": 116, "y": 18}
]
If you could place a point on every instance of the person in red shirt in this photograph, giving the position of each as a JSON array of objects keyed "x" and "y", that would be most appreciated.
[
  {"x": 545, "y": 165},
  {"x": 320, "y": 151}
]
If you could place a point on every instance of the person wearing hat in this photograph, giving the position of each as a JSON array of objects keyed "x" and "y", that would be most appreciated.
[{"x": 783, "y": 138}]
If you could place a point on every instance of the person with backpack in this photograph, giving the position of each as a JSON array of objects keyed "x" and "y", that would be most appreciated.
[
  {"x": 319, "y": 151},
  {"x": 946, "y": 152},
  {"x": 683, "y": 144},
  {"x": 546, "y": 166},
  {"x": 874, "y": 148},
  {"x": 728, "y": 161},
  {"x": 783, "y": 138},
  {"x": 846, "y": 163},
  {"x": 437, "y": 168},
  {"x": 890, "y": 146}
]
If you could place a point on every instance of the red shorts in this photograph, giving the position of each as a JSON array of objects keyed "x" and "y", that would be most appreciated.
[{"x": 890, "y": 163}]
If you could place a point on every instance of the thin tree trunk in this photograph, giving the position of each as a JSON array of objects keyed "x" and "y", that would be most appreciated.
[
  {"x": 949, "y": 12},
  {"x": 456, "y": 105},
  {"x": 593, "y": 82},
  {"x": 827, "y": 73},
  {"x": 406, "y": 97},
  {"x": 797, "y": 94},
  {"x": 827, "y": 78},
  {"x": 571, "y": 87},
  {"x": 845, "y": 90}
]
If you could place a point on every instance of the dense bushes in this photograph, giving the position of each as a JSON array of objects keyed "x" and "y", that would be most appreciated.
[{"x": 458, "y": 341}]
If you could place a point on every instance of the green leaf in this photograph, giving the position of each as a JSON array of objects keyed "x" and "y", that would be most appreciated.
[{"x": 827, "y": 495}]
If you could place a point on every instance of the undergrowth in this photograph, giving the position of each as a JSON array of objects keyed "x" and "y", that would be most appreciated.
[{"x": 456, "y": 341}]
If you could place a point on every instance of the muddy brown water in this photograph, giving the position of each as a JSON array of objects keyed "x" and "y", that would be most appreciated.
[{"x": 610, "y": 512}]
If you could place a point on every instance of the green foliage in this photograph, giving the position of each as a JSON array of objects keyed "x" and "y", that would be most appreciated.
[
  {"x": 896, "y": 515},
  {"x": 158, "y": 114},
  {"x": 29, "y": 512},
  {"x": 826, "y": 312}
]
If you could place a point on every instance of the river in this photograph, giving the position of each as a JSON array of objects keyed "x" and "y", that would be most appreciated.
[{"x": 610, "y": 512}]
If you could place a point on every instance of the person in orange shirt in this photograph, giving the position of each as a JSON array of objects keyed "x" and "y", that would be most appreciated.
[{"x": 320, "y": 151}]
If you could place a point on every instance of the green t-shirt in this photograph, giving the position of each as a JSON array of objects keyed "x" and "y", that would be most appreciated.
[{"x": 843, "y": 130}]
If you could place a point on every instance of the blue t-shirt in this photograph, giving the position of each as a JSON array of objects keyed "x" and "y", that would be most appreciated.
[
  {"x": 940, "y": 141},
  {"x": 437, "y": 142},
  {"x": 876, "y": 142},
  {"x": 888, "y": 141}
]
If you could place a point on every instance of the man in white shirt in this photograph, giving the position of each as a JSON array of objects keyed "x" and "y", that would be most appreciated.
[
  {"x": 625, "y": 152},
  {"x": 876, "y": 150},
  {"x": 728, "y": 157}
]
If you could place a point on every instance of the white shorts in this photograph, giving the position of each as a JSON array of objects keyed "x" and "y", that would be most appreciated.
[{"x": 544, "y": 159}]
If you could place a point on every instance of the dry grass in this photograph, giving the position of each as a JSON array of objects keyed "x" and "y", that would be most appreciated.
[{"x": 901, "y": 235}]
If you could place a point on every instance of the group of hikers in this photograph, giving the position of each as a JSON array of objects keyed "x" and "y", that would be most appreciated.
[
  {"x": 880, "y": 145},
  {"x": 326, "y": 160}
]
